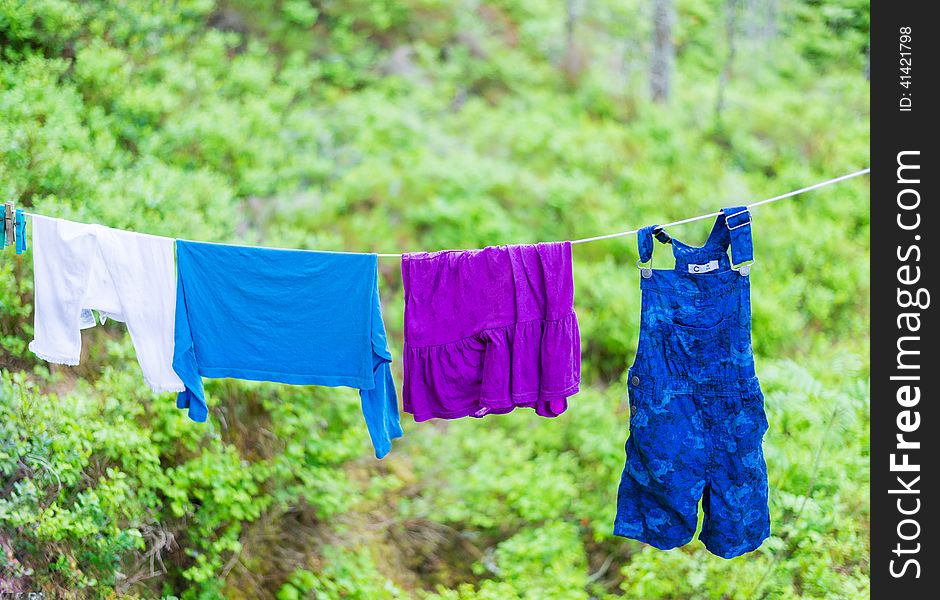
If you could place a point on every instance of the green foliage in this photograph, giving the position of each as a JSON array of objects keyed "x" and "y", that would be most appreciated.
[
  {"x": 343, "y": 573},
  {"x": 422, "y": 124}
]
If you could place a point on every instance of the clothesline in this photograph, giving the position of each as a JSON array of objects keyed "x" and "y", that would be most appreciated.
[{"x": 608, "y": 236}]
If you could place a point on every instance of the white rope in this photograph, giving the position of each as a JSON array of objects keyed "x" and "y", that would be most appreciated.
[
  {"x": 608, "y": 236},
  {"x": 150, "y": 235}
]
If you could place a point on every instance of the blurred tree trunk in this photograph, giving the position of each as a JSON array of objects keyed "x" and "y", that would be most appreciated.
[
  {"x": 731, "y": 26},
  {"x": 571, "y": 19},
  {"x": 663, "y": 56},
  {"x": 773, "y": 13},
  {"x": 575, "y": 59},
  {"x": 758, "y": 19}
]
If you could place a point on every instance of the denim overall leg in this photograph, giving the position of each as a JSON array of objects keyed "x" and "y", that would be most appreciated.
[{"x": 696, "y": 409}]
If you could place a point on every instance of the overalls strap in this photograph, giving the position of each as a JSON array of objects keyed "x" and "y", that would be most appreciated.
[
  {"x": 644, "y": 240},
  {"x": 738, "y": 221}
]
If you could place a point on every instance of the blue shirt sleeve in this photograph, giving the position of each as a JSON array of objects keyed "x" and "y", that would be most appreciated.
[
  {"x": 184, "y": 358},
  {"x": 380, "y": 404}
]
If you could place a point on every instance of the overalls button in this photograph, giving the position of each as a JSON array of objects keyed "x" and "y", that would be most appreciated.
[
  {"x": 635, "y": 381},
  {"x": 633, "y": 410}
]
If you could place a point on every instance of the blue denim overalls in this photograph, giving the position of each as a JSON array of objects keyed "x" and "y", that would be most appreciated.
[{"x": 696, "y": 408}]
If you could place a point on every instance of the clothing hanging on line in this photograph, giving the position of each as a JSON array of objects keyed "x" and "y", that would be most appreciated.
[
  {"x": 696, "y": 409},
  {"x": 124, "y": 276},
  {"x": 490, "y": 330},
  {"x": 290, "y": 316},
  {"x": 97, "y": 275}
]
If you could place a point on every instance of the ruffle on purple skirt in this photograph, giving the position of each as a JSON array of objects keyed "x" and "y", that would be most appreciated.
[{"x": 532, "y": 364}]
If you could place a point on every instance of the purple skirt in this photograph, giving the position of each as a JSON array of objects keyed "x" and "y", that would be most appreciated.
[{"x": 489, "y": 330}]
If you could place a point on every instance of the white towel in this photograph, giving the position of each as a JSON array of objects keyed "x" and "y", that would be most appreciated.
[{"x": 125, "y": 276}]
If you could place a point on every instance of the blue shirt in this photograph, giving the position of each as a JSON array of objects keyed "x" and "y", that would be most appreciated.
[{"x": 291, "y": 316}]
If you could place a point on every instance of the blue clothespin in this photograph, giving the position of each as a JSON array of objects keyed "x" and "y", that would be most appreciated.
[{"x": 19, "y": 231}]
